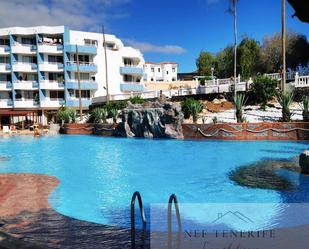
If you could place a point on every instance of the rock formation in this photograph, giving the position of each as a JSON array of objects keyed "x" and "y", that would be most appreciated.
[
  {"x": 304, "y": 162},
  {"x": 151, "y": 120}
]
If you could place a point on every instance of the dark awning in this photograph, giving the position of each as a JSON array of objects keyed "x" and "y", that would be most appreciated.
[{"x": 16, "y": 112}]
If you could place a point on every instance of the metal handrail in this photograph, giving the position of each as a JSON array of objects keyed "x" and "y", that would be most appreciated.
[
  {"x": 143, "y": 217},
  {"x": 173, "y": 199}
]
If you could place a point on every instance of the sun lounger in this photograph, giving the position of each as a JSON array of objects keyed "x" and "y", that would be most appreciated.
[{"x": 6, "y": 129}]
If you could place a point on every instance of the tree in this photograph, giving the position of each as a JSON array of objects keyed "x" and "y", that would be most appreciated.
[
  {"x": 249, "y": 56},
  {"x": 297, "y": 51},
  {"x": 205, "y": 62},
  {"x": 225, "y": 66}
]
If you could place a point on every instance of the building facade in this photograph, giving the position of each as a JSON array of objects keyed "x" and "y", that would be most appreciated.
[
  {"x": 161, "y": 72},
  {"x": 39, "y": 70}
]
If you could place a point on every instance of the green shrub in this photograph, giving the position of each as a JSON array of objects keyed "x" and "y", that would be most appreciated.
[
  {"x": 306, "y": 109},
  {"x": 98, "y": 115},
  {"x": 114, "y": 114},
  {"x": 239, "y": 101},
  {"x": 136, "y": 100},
  {"x": 285, "y": 100},
  {"x": 263, "y": 89},
  {"x": 202, "y": 80},
  {"x": 191, "y": 107},
  {"x": 66, "y": 115}
]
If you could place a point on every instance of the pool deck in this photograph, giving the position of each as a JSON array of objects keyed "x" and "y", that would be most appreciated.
[{"x": 28, "y": 221}]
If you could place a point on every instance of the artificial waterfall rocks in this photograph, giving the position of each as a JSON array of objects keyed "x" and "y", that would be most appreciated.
[{"x": 151, "y": 120}]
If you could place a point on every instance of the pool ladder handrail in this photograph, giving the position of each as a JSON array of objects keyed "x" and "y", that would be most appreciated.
[
  {"x": 173, "y": 200},
  {"x": 142, "y": 213}
]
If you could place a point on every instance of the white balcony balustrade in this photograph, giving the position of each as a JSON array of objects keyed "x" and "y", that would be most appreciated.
[
  {"x": 4, "y": 50},
  {"x": 24, "y": 67},
  {"x": 51, "y": 85},
  {"x": 52, "y": 103},
  {"x": 5, "y": 68},
  {"x": 19, "y": 48},
  {"x": 26, "y": 85},
  {"x": 51, "y": 67},
  {"x": 6, "y": 103},
  {"x": 50, "y": 48},
  {"x": 25, "y": 103}
]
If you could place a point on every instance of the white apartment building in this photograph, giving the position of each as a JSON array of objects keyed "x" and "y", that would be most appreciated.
[
  {"x": 39, "y": 65},
  {"x": 161, "y": 72}
]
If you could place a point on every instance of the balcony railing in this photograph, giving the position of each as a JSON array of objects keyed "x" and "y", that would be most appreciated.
[
  {"x": 74, "y": 102},
  {"x": 83, "y": 49},
  {"x": 83, "y": 66},
  {"x": 25, "y": 84},
  {"x": 51, "y": 84},
  {"x": 132, "y": 70},
  {"x": 5, "y": 85},
  {"x": 132, "y": 87},
  {"x": 84, "y": 85}
]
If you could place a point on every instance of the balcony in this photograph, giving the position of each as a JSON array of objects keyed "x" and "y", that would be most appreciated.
[
  {"x": 132, "y": 70},
  {"x": 19, "y": 48},
  {"x": 50, "y": 48},
  {"x": 132, "y": 87},
  {"x": 6, "y": 103},
  {"x": 51, "y": 67},
  {"x": 5, "y": 86},
  {"x": 83, "y": 66},
  {"x": 5, "y": 68},
  {"x": 75, "y": 102},
  {"x": 26, "y": 103},
  {"x": 26, "y": 85},
  {"x": 84, "y": 85},
  {"x": 52, "y": 103},
  {"x": 86, "y": 49},
  {"x": 51, "y": 85},
  {"x": 25, "y": 67},
  {"x": 4, "y": 50}
]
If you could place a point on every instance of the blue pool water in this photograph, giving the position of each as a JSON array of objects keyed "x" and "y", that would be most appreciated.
[{"x": 98, "y": 175}]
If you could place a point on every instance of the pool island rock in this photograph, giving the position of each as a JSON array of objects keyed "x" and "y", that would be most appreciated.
[{"x": 151, "y": 120}]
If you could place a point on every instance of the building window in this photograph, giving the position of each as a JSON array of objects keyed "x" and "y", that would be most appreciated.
[
  {"x": 29, "y": 59},
  {"x": 28, "y": 41},
  {"x": 166, "y": 72},
  {"x": 152, "y": 70},
  {"x": 128, "y": 62},
  {"x": 56, "y": 95},
  {"x": 110, "y": 45},
  {"x": 151, "y": 79},
  {"x": 173, "y": 70},
  {"x": 4, "y": 60},
  {"x": 89, "y": 42},
  {"x": 55, "y": 59},
  {"x": 85, "y": 94},
  {"x": 83, "y": 76},
  {"x": 82, "y": 58},
  {"x": 5, "y": 42},
  {"x": 159, "y": 70}
]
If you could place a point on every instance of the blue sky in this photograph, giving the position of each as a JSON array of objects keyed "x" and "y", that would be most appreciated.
[{"x": 165, "y": 30}]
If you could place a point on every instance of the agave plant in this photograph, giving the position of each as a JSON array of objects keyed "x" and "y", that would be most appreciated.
[
  {"x": 191, "y": 107},
  {"x": 98, "y": 115},
  {"x": 306, "y": 109},
  {"x": 285, "y": 100},
  {"x": 239, "y": 101},
  {"x": 65, "y": 115},
  {"x": 114, "y": 114},
  {"x": 195, "y": 108}
]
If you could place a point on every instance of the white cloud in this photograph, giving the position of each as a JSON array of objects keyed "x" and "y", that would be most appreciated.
[
  {"x": 78, "y": 14},
  {"x": 162, "y": 49}
]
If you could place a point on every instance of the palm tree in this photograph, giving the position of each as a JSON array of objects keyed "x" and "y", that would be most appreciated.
[
  {"x": 283, "y": 48},
  {"x": 233, "y": 10}
]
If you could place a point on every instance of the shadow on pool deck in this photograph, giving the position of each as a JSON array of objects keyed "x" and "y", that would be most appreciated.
[{"x": 49, "y": 229}]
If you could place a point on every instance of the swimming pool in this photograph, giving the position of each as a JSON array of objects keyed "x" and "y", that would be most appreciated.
[{"x": 98, "y": 175}]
